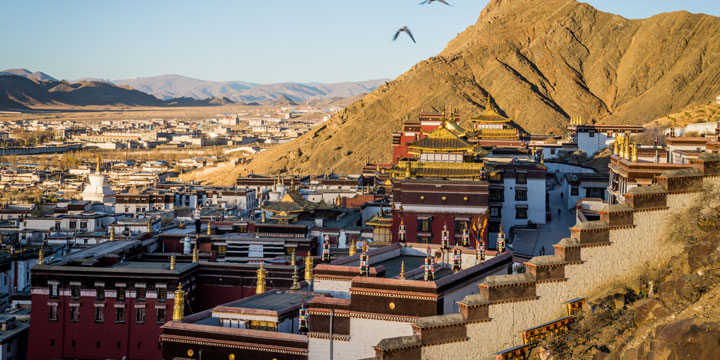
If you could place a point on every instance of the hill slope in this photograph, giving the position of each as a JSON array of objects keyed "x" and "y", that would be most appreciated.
[{"x": 541, "y": 62}]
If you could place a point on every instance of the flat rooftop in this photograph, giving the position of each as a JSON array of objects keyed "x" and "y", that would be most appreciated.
[
  {"x": 392, "y": 265},
  {"x": 274, "y": 300},
  {"x": 152, "y": 265}
]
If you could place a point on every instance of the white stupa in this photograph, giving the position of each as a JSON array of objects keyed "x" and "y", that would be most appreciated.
[{"x": 98, "y": 190}]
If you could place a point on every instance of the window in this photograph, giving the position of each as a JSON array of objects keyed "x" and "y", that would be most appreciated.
[
  {"x": 221, "y": 249},
  {"x": 119, "y": 315},
  {"x": 459, "y": 226},
  {"x": 75, "y": 291},
  {"x": 574, "y": 191},
  {"x": 521, "y": 194},
  {"x": 127, "y": 209},
  {"x": 52, "y": 342},
  {"x": 591, "y": 134},
  {"x": 552, "y": 151},
  {"x": 521, "y": 213},
  {"x": 99, "y": 314},
  {"x": 496, "y": 195},
  {"x": 83, "y": 224},
  {"x": 73, "y": 343},
  {"x": 161, "y": 294},
  {"x": 424, "y": 225},
  {"x": 53, "y": 311},
  {"x": 424, "y": 239},
  {"x": 495, "y": 211},
  {"x": 73, "y": 224},
  {"x": 140, "y": 315},
  {"x": 160, "y": 316},
  {"x": 521, "y": 178},
  {"x": 121, "y": 293},
  {"x": 57, "y": 225},
  {"x": 75, "y": 313},
  {"x": 54, "y": 290},
  {"x": 100, "y": 292},
  {"x": 140, "y": 293}
]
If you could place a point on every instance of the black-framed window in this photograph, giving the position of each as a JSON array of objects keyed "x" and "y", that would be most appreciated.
[
  {"x": 140, "y": 315},
  {"x": 424, "y": 224},
  {"x": 494, "y": 226},
  {"x": 73, "y": 224},
  {"x": 520, "y": 194},
  {"x": 53, "y": 312},
  {"x": 574, "y": 191},
  {"x": 100, "y": 292},
  {"x": 521, "y": 213},
  {"x": 54, "y": 291},
  {"x": 459, "y": 226},
  {"x": 119, "y": 315},
  {"x": 160, "y": 316},
  {"x": 591, "y": 134},
  {"x": 495, "y": 211},
  {"x": 497, "y": 194},
  {"x": 75, "y": 291},
  {"x": 140, "y": 294},
  {"x": 83, "y": 224},
  {"x": 521, "y": 178},
  {"x": 99, "y": 314},
  {"x": 75, "y": 313},
  {"x": 161, "y": 294},
  {"x": 424, "y": 239},
  {"x": 120, "y": 293}
]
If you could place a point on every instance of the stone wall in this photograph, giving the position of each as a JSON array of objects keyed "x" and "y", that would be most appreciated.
[{"x": 608, "y": 254}]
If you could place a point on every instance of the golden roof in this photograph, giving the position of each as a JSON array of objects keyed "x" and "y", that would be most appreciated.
[
  {"x": 379, "y": 221},
  {"x": 511, "y": 133},
  {"x": 292, "y": 202},
  {"x": 489, "y": 115},
  {"x": 442, "y": 139}
]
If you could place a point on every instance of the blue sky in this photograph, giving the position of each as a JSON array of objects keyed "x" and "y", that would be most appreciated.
[{"x": 259, "y": 41}]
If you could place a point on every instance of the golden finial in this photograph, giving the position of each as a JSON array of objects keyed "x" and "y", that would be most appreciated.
[
  {"x": 292, "y": 183},
  {"x": 209, "y": 231},
  {"x": 112, "y": 233},
  {"x": 263, "y": 216},
  {"x": 292, "y": 258},
  {"x": 261, "y": 275},
  {"x": 402, "y": 270},
  {"x": 149, "y": 225},
  {"x": 634, "y": 152},
  {"x": 615, "y": 145},
  {"x": 97, "y": 167},
  {"x": 41, "y": 257},
  {"x": 337, "y": 201},
  {"x": 195, "y": 254},
  {"x": 178, "y": 305},
  {"x": 308, "y": 268},
  {"x": 377, "y": 167},
  {"x": 627, "y": 147},
  {"x": 352, "y": 249},
  {"x": 295, "y": 277},
  {"x": 172, "y": 262}
]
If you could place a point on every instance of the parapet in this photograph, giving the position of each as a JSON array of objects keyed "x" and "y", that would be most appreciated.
[
  {"x": 646, "y": 197},
  {"x": 508, "y": 288},
  {"x": 546, "y": 268},
  {"x": 616, "y": 215},
  {"x": 568, "y": 249},
  {"x": 591, "y": 232},
  {"x": 441, "y": 329},
  {"x": 681, "y": 180},
  {"x": 402, "y": 347}
]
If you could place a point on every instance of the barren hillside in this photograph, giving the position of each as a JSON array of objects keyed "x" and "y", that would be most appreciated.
[{"x": 541, "y": 62}]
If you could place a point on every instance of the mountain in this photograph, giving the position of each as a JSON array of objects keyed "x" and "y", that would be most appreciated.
[
  {"x": 170, "y": 86},
  {"x": 281, "y": 100},
  {"x": 22, "y": 92},
  {"x": 27, "y": 74},
  {"x": 540, "y": 62},
  {"x": 173, "y": 86}
]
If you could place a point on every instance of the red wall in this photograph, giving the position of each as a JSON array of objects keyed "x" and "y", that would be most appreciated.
[
  {"x": 209, "y": 296},
  {"x": 137, "y": 341},
  {"x": 411, "y": 227}
]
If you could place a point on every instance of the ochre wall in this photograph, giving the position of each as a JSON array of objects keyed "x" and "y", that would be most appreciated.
[{"x": 631, "y": 249}]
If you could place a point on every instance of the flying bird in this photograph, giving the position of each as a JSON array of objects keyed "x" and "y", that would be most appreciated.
[
  {"x": 431, "y": 1},
  {"x": 405, "y": 29}
]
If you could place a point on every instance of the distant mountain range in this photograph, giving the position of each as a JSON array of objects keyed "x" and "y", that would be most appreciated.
[
  {"x": 170, "y": 86},
  {"x": 23, "y": 89}
]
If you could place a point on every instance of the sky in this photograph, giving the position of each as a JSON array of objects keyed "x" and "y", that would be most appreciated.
[{"x": 262, "y": 41}]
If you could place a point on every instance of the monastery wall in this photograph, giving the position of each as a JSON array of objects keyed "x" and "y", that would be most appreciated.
[
  {"x": 598, "y": 254},
  {"x": 362, "y": 332},
  {"x": 336, "y": 288}
]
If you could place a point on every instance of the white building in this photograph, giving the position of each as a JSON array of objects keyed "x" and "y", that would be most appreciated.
[{"x": 593, "y": 138}]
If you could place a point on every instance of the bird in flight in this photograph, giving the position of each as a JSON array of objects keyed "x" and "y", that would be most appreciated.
[
  {"x": 405, "y": 29},
  {"x": 431, "y": 1}
]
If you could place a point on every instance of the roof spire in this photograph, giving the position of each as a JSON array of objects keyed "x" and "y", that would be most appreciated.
[
  {"x": 41, "y": 257},
  {"x": 261, "y": 276},
  {"x": 97, "y": 167},
  {"x": 402, "y": 270},
  {"x": 172, "y": 262},
  {"x": 178, "y": 305}
]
